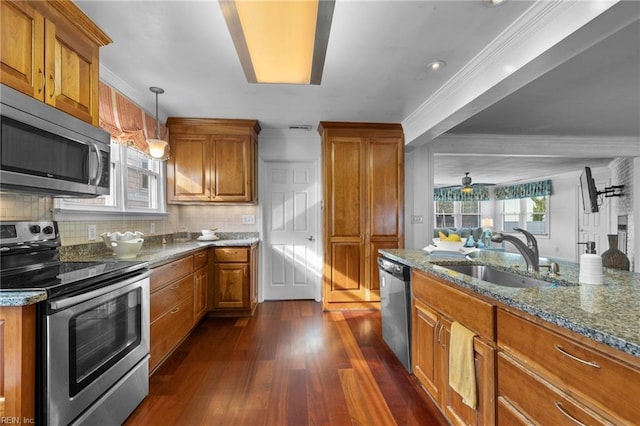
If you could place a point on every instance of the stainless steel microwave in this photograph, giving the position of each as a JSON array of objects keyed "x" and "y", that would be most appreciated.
[{"x": 47, "y": 151}]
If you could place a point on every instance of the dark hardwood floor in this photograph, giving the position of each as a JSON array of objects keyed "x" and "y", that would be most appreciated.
[{"x": 290, "y": 364}]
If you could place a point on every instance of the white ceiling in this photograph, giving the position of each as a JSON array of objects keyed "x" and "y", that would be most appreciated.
[{"x": 375, "y": 71}]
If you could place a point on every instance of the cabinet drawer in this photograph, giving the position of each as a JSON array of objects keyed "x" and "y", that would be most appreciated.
[
  {"x": 200, "y": 259},
  {"x": 167, "y": 297},
  {"x": 532, "y": 397},
  {"x": 603, "y": 382},
  {"x": 165, "y": 274},
  {"x": 168, "y": 330},
  {"x": 471, "y": 312},
  {"x": 231, "y": 254}
]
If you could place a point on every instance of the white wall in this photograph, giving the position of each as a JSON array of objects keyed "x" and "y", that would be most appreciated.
[
  {"x": 418, "y": 171},
  {"x": 289, "y": 144}
]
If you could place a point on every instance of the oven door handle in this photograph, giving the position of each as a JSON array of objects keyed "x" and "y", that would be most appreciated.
[{"x": 66, "y": 302}]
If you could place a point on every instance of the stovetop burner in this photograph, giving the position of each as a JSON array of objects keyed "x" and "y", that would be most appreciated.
[{"x": 66, "y": 278}]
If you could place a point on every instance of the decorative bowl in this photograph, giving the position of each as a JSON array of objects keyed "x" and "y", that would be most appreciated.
[
  {"x": 109, "y": 237},
  {"x": 127, "y": 249},
  {"x": 449, "y": 245}
]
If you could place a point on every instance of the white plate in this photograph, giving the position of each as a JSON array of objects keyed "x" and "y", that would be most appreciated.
[{"x": 208, "y": 238}]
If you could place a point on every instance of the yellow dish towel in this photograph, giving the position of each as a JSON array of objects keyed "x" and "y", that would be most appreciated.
[{"x": 462, "y": 368}]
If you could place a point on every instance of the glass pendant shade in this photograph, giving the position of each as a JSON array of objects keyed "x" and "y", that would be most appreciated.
[{"x": 157, "y": 146}]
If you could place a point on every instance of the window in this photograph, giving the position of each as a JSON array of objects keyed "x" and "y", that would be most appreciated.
[
  {"x": 137, "y": 186},
  {"x": 451, "y": 214},
  {"x": 444, "y": 214},
  {"x": 530, "y": 214},
  {"x": 470, "y": 214}
]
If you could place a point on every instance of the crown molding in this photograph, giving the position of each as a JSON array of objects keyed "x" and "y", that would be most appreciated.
[{"x": 546, "y": 35}]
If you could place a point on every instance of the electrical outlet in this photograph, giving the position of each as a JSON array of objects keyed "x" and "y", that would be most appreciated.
[
  {"x": 91, "y": 232},
  {"x": 152, "y": 228},
  {"x": 415, "y": 220},
  {"x": 248, "y": 219}
]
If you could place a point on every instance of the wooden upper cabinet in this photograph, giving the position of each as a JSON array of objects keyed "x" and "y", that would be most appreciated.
[
  {"x": 212, "y": 161},
  {"x": 363, "y": 180},
  {"x": 22, "y": 48},
  {"x": 50, "y": 51}
]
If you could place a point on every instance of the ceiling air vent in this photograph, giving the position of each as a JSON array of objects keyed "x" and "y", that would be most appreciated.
[{"x": 300, "y": 127}]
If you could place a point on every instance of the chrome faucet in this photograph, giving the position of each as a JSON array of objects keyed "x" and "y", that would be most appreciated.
[{"x": 529, "y": 251}]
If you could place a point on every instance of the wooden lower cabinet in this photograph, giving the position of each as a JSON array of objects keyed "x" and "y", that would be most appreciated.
[
  {"x": 526, "y": 398},
  {"x": 427, "y": 351},
  {"x": 548, "y": 375},
  {"x": 234, "y": 289},
  {"x": 17, "y": 362},
  {"x": 430, "y": 348},
  {"x": 178, "y": 302}
]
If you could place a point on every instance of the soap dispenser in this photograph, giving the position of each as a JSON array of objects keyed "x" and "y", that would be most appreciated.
[{"x": 590, "y": 265}]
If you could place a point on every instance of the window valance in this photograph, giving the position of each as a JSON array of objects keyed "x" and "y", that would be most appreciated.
[
  {"x": 455, "y": 194},
  {"x": 523, "y": 190},
  {"x": 125, "y": 121}
]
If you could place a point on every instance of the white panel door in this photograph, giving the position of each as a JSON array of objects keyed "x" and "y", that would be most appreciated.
[{"x": 292, "y": 263}]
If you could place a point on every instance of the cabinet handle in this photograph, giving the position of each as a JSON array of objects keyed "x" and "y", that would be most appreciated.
[
  {"x": 174, "y": 311},
  {"x": 440, "y": 335},
  {"x": 175, "y": 287},
  {"x": 567, "y": 415},
  {"x": 575, "y": 358},
  {"x": 53, "y": 86},
  {"x": 42, "y": 80}
]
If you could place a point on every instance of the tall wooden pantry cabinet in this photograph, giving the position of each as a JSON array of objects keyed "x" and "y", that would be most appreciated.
[{"x": 363, "y": 208}]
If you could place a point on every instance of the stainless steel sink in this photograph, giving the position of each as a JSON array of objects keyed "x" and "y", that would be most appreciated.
[{"x": 498, "y": 276}]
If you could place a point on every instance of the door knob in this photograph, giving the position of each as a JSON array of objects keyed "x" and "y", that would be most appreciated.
[{"x": 310, "y": 238}]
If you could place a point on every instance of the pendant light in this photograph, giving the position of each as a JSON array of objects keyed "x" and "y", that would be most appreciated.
[{"x": 157, "y": 146}]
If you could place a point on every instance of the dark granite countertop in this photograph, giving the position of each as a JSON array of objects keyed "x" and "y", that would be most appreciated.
[
  {"x": 608, "y": 313},
  {"x": 155, "y": 254}
]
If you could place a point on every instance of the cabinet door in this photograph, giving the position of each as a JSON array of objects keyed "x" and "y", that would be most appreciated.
[
  {"x": 484, "y": 414},
  {"x": 253, "y": 269},
  {"x": 427, "y": 348},
  {"x": 231, "y": 286},
  {"x": 188, "y": 168},
  {"x": 345, "y": 212},
  {"x": 200, "y": 280},
  {"x": 231, "y": 169},
  {"x": 22, "y": 48},
  {"x": 385, "y": 202},
  {"x": 71, "y": 70}
]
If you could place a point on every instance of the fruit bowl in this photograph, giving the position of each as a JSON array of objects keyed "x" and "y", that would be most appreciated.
[{"x": 449, "y": 245}]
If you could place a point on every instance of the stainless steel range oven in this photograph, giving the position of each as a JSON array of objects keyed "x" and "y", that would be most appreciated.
[{"x": 93, "y": 329}]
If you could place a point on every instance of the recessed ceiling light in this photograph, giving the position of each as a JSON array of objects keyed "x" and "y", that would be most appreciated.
[
  {"x": 492, "y": 3},
  {"x": 436, "y": 65}
]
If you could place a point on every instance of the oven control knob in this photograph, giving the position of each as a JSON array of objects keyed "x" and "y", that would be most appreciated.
[
  {"x": 35, "y": 229},
  {"x": 48, "y": 230}
]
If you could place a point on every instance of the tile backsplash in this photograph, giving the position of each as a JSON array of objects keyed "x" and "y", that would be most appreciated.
[
  {"x": 25, "y": 207},
  {"x": 193, "y": 218}
]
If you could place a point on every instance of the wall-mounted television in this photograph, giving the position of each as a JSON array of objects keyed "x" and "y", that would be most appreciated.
[{"x": 589, "y": 192}]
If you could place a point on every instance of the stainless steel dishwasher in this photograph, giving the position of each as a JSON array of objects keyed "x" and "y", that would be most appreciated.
[{"x": 395, "y": 307}]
